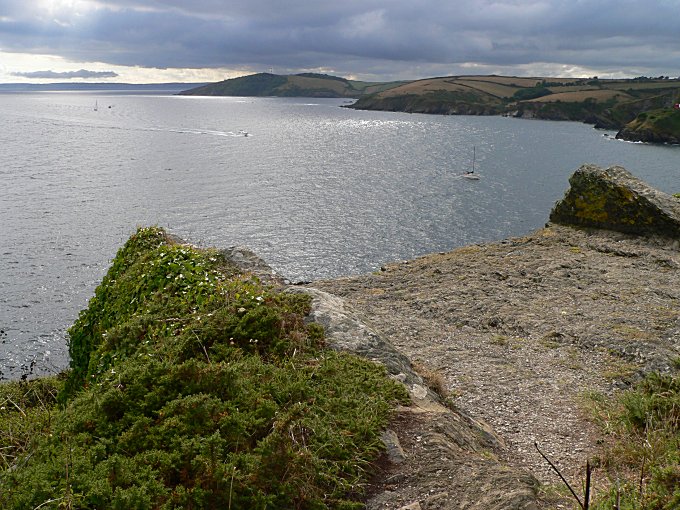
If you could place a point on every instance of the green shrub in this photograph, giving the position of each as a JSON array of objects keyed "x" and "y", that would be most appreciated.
[
  {"x": 644, "y": 451},
  {"x": 193, "y": 386},
  {"x": 27, "y": 409},
  {"x": 525, "y": 94}
]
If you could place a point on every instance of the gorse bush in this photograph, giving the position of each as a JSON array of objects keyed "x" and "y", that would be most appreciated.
[
  {"x": 151, "y": 281},
  {"x": 194, "y": 386}
]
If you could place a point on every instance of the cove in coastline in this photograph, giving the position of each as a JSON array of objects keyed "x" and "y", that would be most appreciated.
[{"x": 316, "y": 190}]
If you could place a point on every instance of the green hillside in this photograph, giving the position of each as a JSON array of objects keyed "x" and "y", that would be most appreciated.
[
  {"x": 661, "y": 125},
  {"x": 605, "y": 103},
  {"x": 298, "y": 85}
]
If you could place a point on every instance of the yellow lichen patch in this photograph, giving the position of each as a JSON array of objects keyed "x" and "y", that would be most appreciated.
[
  {"x": 591, "y": 207},
  {"x": 626, "y": 194},
  {"x": 467, "y": 250}
]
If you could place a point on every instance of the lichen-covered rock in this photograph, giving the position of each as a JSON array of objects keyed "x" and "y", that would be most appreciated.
[{"x": 614, "y": 199}]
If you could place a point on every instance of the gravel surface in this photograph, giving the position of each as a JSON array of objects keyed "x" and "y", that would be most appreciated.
[{"x": 519, "y": 332}]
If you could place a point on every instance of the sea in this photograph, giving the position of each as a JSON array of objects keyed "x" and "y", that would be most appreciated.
[{"x": 316, "y": 189}]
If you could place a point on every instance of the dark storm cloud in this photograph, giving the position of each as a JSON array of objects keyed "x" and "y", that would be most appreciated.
[
  {"x": 68, "y": 75},
  {"x": 351, "y": 36}
]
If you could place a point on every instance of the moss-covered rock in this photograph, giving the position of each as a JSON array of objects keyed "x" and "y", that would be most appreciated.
[{"x": 614, "y": 199}]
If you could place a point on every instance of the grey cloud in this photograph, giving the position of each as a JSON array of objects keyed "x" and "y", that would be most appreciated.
[
  {"x": 68, "y": 75},
  {"x": 369, "y": 34}
]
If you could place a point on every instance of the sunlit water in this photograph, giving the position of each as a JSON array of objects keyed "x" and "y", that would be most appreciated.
[{"x": 317, "y": 190}]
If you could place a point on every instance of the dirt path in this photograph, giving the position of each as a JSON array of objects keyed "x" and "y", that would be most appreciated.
[{"x": 522, "y": 330}]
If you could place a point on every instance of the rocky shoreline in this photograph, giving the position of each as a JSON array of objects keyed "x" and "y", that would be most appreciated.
[{"x": 518, "y": 333}]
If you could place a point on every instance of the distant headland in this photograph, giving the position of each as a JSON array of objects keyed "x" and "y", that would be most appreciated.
[{"x": 641, "y": 109}]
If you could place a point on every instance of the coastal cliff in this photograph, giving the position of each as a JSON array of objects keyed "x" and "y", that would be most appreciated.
[
  {"x": 200, "y": 379},
  {"x": 654, "y": 126}
]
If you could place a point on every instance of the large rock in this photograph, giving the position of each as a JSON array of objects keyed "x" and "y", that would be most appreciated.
[{"x": 614, "y": 199}]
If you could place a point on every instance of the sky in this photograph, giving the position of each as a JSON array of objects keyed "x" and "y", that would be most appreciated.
[{"x": 152, "y": 41}]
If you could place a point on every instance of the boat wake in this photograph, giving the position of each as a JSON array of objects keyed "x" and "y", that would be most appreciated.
[{"x": 210, "y": 132}]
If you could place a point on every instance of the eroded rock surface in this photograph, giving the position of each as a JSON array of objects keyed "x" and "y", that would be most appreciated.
[
  {"x": 437, "y": 457},
  {"x": 523, "y": 330}
]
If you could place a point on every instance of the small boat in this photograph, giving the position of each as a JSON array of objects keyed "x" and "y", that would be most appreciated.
[{"x": 470, "y": 174}]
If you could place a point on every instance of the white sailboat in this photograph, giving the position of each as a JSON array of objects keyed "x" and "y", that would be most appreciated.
[{"x": 470, "y": 174}]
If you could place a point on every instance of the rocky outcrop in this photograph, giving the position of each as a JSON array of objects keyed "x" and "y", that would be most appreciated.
[
  {"x": 520, "y": 330},
  {"x": 614, "y": 199},
  {"x": 248, "y": 261},
  {"x": 647, "y": 135}
]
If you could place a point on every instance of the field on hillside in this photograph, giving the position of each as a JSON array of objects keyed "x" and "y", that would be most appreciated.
[
  {"x": 578, "y": 96},
  {"x": 490, "y": 87},
  {"x": 306, "y": 82},
  {"x": 568, "y": 89},
  {"x": 424, "y": 87}
]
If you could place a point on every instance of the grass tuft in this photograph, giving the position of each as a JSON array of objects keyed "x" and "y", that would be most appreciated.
[{"x": 642, "y": 457}]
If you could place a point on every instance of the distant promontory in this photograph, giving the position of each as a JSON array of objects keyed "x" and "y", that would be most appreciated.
[
  {"x": 640, "y": 109},
  {"x": 297, "y": 85}
]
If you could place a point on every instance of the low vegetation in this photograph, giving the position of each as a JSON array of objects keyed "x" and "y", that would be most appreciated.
[
  {"x": 193, "y": 386},
  {"x": 642, "y": 452},
  {"x": 527, "y": 93},
  {"x": 664, "y": 121}
]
